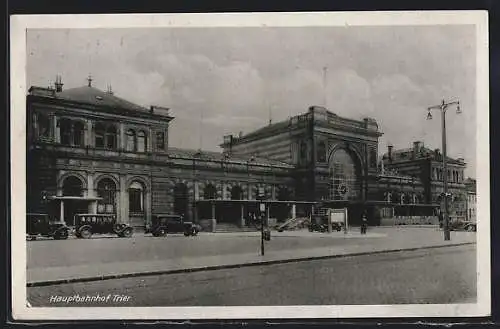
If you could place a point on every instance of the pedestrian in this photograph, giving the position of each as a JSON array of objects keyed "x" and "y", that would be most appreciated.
[
  {"x": 364, "y": 223},
  {"x": 441, "y": 219}
]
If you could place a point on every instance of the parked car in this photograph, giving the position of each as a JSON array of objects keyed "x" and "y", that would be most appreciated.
[
  {"x": 88, "y": 224},
  {"x": 463, "y": 226},
  {"x": 315, "y": 227},
  {"x": 164, "y": 223},
  {"x": 43, "y": 225}
]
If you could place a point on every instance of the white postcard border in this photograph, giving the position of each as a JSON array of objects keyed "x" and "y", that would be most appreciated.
[{"x": 19, "y": 25}]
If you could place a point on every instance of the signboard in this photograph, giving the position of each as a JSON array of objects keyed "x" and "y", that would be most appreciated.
[
  {"x": 262, "y": 207},
  {"x": 337, "y": 215}
]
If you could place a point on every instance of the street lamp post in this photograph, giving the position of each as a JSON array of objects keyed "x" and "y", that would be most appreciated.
[{"x": 443, "y": 108}]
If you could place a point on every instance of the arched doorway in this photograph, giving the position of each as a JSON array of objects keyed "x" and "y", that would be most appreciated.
[
  {"x": 181, "y": 201},
  {"x": 72, "y": 186},
  {"x": 136, "y": 204},
  {"x": 106, "y": 190}
]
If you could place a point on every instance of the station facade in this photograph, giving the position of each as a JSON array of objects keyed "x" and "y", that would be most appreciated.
[{"x": 88, "y": 143}]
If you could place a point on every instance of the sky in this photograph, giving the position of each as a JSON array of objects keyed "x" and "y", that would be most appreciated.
[{"x": 224, "y": 80}]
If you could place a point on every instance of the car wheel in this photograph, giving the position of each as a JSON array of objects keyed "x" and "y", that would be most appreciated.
[
  {"x": 85, "y": 233},
  {"x": 61, "y": 235},
  {"x": 186, "y": 233},
  {"x": 470, "y": 228},
  {"x": 127, "y": 233},
  {"x": 194, "y": 232},
  {"x": 160, "y": 232}
]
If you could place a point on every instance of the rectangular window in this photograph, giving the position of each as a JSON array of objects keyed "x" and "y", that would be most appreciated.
[{"x": 160, "y": 140}]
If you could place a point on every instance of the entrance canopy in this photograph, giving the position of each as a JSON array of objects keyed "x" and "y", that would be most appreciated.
[
  {"x": 251, "y": 202},
  {"x": 81, "y": 198}
]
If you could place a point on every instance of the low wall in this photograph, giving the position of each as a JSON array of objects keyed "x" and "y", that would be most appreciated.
[{"x": 410, "y": 220}]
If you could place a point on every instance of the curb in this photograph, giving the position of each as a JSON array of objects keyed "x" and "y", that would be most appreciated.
[{"x": 230, "y": 266}]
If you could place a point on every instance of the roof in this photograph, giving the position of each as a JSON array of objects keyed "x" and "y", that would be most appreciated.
[
  {"x": 424, "y": 153},
  {"x": 94, "y": 96},
  {"x": 219, "y": 156}
]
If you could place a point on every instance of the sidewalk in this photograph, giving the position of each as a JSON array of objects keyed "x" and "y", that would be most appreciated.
[{"x": 113, "y": 270}]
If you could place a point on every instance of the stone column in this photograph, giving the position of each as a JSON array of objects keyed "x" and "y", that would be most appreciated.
[
  {"x": 62, "y": 219},
  {"x": 88, "y": 133},
  {"x": 57, "y": 136},
  {"x": 122, "y": 142},
  {"x": 242, "y": 222},
  {"x": 123, "y": 217},
  {"x": 294, "y": 211},
  {"x": 214, "y": 221}
]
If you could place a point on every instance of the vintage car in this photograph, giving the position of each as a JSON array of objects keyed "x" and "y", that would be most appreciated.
[
  {"x": 463, "y": 226},
  {"x": 88, "y": 224},
  {"x": 44, "y": 225},
  {"x": 164, "y": 223}
]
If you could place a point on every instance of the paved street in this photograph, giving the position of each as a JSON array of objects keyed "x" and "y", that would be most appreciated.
[
  {"x": 50, "y": 253},
  {"x": 442, "y": 275}
]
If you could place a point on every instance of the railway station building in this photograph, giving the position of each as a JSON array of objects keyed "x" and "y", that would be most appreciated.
[{"x": 85, "y": 143}]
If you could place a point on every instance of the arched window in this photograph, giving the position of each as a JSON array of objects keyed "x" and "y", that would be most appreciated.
[
  {"x": 136, "y": 198},
  {"x": 43, "y": 125},
  {"x": 65, "y": 131},
  {"x": 209, "y": 192},
  {"x": 111, "y": 137},
  {"x": 344, "y": 176},
  {"x": 78, "y": 133},
  {"x": 141, "y": 141},
  {"x": 236, "y": 193},
  {"x": 100, "y": 131},
  {"x": 131, "y": 141},
  {"x": 72, "y": 186},
  {"x": 321, "y": 152},
  {"x": 106, "y": 189}
]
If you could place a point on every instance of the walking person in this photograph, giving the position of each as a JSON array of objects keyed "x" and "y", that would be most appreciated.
[{"x": 364, "y": 223}]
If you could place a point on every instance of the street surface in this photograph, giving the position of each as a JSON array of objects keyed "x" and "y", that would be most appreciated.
[
  {"x": 441, "y": 275},
  {"x": 50, "y": 253}
]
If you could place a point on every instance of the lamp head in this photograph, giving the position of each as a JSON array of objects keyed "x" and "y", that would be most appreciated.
[{"x": 429, "y": 115}]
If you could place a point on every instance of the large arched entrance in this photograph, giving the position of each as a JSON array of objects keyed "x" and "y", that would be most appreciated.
[
  {"x": 345, "y": 183},
  {"x": 345, "y": 172}
]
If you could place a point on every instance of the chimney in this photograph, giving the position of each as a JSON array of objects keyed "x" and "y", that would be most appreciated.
[
  {"x": 389, "y": 152},
  {"x": 58, "y": 84},
  {"x": 416, "y": 149}
]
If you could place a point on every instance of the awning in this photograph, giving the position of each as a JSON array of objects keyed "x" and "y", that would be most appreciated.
[
  {"x": 257, "y": 201},
  {"x": 81, "y": 198}
]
